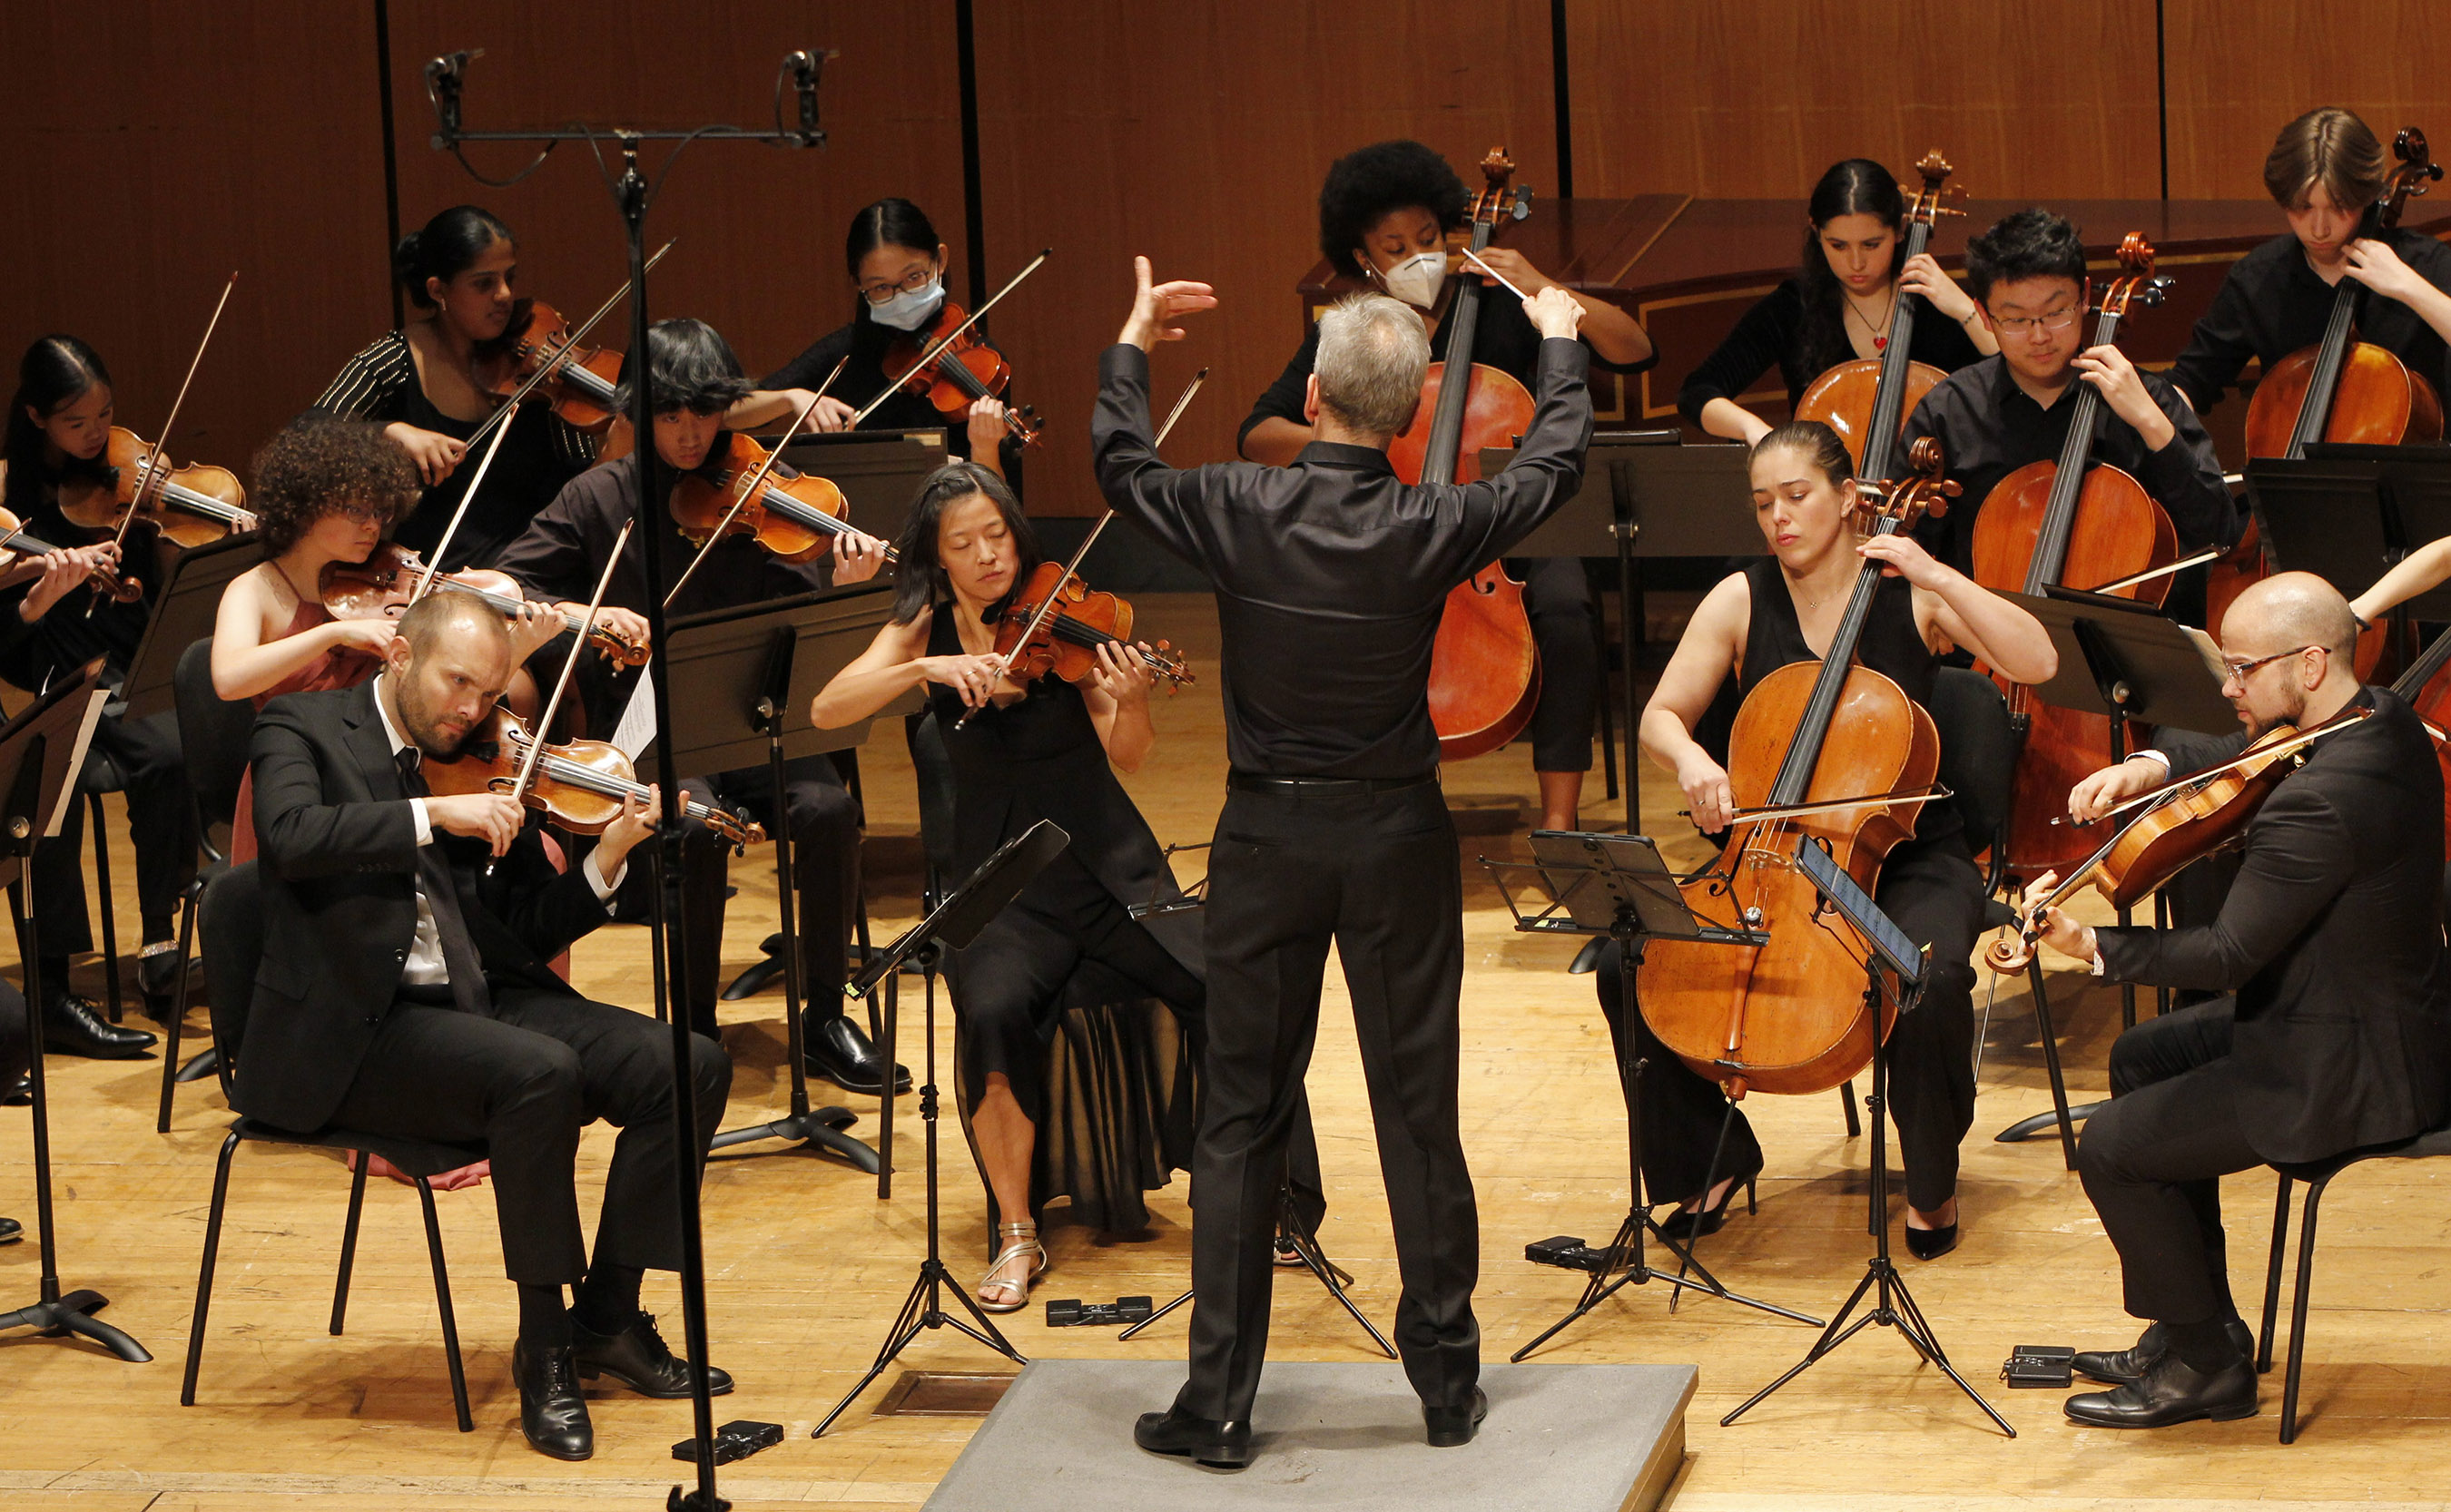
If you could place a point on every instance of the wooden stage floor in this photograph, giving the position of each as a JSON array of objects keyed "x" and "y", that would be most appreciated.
[{"x": 806, "y": 1267}]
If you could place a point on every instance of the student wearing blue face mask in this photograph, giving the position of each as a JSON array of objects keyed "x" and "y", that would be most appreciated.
[{"x": 896, "y": 263}]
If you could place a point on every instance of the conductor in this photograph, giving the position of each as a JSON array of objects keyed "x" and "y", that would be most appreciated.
[{"x": 1331, "y": 575}]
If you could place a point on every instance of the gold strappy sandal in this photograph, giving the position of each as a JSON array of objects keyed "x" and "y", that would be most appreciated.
[{"x": 1020, "y": 1241}]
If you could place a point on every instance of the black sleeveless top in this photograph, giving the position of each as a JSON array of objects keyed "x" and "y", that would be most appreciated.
[
  {"x": 1040, "y": 759},
  {"x": 1889, "y": 645}
]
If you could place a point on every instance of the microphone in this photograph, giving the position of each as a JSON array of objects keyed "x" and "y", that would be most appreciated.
[
  {"x": 806, "y": 68},
  {"x": 442, "y": 76}
]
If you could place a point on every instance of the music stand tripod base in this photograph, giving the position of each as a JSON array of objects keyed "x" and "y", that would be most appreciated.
[{"x": 1314, "y": 1259}]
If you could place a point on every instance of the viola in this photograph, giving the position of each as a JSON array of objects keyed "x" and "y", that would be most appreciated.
[
  {"x": 1484, "y": 667},
  {"x": 383, "y": 585},
  {"x": 2175, "y": 825},
  {"x": 1829, "y": 753},
  {"x": 581, "y": 383},
  {"x": 1064, "y": 639},
  {"x": 795, "y": 516},
  {"x": 2340, "y": 389},
  {"x": 18, "y": 547},
  {"x": 964, "y": 370},
  {"x": 580, "y": 785},
  {"x": 2068, "y": 523},
  {"x": 1867, "y": 400},
  {"x": 190, "y": 507}
]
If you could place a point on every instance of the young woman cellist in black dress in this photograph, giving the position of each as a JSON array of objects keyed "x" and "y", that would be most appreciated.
[{"x": 1772, "y": 613}]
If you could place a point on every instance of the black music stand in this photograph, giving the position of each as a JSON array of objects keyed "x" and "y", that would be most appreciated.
[
  {"x": 2346, "y": 513},
  {"x": 950, "y": 925},
  {"x": 2121, "y": 658},
  {"x": 40, "y": 753},
  {"x": 183, "y": 615},
  {"x": 1660, "y": 499},
  {"x": 737, "y": 675},
  {"x": 1617, "y": 886},
  {"x": 1887, "y": 950}
]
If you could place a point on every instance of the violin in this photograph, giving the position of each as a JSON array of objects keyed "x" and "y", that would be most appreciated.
[
  {"x": 577, "y": 784},
  {"x": 964, "y": 372},
  {"x": 2340, "y": 389},
  {"x": 383, "y": 585},
  {"x": 581, "y": 384},
  {"x": 1484, "y": 667},
  {"x": 2178, "y": 824},
  {"x": 1065, "y": 640},
  {"x": 1867, "y": 400},
  {"x": 16, "y": 547},
  {"x": 190, "y": 507},
  {"x": 2069, "y": 522},
  {"x": 1830, "y": 753},
  {"x": 795, "y": 516}
]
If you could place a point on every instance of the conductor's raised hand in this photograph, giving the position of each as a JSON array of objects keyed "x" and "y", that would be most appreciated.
[
  {"x": 1556, "y": 314},
  {"x": 1154, "y": 305}
]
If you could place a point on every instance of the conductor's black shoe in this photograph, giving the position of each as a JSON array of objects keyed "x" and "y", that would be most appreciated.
[
  {"x": 2170, "y": 1392},
  {"x": 1452, "y": 1428},
  {"x": 18, "y": 1091},
  {"x": 839, "y": 1050},
  {"x": 552, "y": 1412},
  {"x": 2120, "y": 1366},
  {"x": 74, "y": 1026},
  {"x": 1931, "y": 1244},
  {"x": 639, "y": 1358},
  {"x": 1203, "y": 1440},
  {"x": 10, "y": 1230}
]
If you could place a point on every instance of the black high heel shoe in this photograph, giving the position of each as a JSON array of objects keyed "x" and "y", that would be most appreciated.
[
  {"x": 1699, "y": 1223},
  {"x": 1931, "y": 1244}
]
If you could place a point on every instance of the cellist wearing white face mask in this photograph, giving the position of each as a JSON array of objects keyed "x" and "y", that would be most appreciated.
[{"x": 897, "y": 266}]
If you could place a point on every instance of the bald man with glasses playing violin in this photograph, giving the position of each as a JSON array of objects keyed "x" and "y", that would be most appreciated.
[{"x": 2336, "y": 1031}]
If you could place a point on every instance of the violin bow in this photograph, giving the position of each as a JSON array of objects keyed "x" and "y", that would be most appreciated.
[
  {"x": 153, "y": 464},
  {"x": 468, "y": 494},
  {"x": 740, "y": 499},
  {"x": 1055, "y": 595},
  {"x": 569, "y": 663},
  {"x": 950, "y": 337},
  {"x": 568, "y": 343}
]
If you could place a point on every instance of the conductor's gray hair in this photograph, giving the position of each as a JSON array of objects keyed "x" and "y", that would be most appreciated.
[{"x": 1373, "y": 354}]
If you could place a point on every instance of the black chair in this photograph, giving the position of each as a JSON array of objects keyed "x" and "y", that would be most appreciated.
[
  {"x": 214, "y": 733},
  {"x": 231, "y": 913},
  {"x": 2317, "y": 1175}
]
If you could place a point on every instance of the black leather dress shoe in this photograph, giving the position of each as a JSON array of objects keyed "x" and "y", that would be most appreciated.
[
  {"x": 1452, "y": 1428},
  {"x": 552, "y": 1412},
  {"x": 10, "y": 1230},
  {"x": 639, "y": 1358},
  {"x": 839, "y": 1050},
  {"x": 2169, "y": 1392},
  {"x": 2120, "y": 1366},
  {"x": 74, "y": 1026},
  {"x": 18, "y": 1091},
  {"x": 1205, "y": 1440}
]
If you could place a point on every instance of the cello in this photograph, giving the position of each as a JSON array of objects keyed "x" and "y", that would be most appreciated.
[
  {"x": 1829, "y": 753},
  {"x": 1867, "y": 402},
  {"x": 1484, "y": 668},
  {"x": 2340, "y": 389},
  {"x": 2071, "y": 523}
]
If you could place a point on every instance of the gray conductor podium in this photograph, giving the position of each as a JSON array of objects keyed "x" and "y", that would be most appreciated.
[{"x": 1645, "y": 494}]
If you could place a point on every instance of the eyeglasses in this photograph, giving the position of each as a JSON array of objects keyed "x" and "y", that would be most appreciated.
[
  {"x": 2238, "y": 671},
  {"x": 879, "y": 293},
  {"x": 361, "y": 514},
  {"x": 2027, "y": 326}
]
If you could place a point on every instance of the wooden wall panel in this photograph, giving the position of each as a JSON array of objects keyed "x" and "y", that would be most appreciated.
[
  {"x": 1754, "y": 98},
  {"x": 761, "y": 229},
  {"x": 155, "y": 147},
  {"x": 1199, "y": 137},
  {"x": 2241, "y": 69}
]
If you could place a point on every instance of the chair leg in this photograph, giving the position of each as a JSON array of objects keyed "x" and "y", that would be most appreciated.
[
  {"x": 205, "y": 1272},
  {"x": 2272, "y": 1275},
  {"x": 2298, "y": 1312},
  {"x": 1847, "y": 1105},
  {"x": 110, "y": 924},
  {"x": 178, "y": 1010},
  {"x": 349, "y": 1241},
  {"x": 442, "y": 1301}
]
